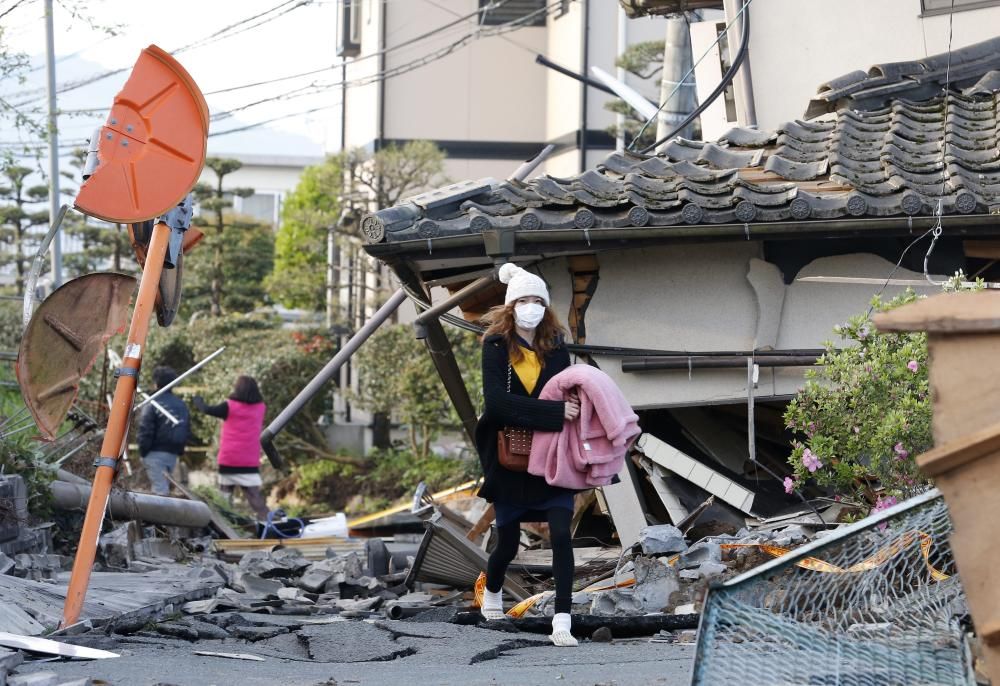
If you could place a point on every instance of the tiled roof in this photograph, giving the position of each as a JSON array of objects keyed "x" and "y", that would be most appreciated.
[
  {"x": 914, "y": 80},
  {"x": 903, "y": 158}
]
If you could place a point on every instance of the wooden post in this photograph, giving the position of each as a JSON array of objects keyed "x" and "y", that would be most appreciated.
[{"x": 964, "y": 358}]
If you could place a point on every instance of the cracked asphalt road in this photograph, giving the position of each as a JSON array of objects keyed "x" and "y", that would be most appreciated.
[{"x": 384, "y": 652}]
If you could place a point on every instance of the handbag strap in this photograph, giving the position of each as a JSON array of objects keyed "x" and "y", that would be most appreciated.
[{"x": 509, "y": 368}]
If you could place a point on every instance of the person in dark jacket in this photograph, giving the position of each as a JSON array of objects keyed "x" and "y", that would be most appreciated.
[
  {"x": 522, "y": 349},
  {"x": 242, "y": 418},
  {"x": 161, "y": 441}
]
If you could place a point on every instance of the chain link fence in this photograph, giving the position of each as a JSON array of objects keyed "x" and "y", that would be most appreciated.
[{"x": 877, "y": 603}]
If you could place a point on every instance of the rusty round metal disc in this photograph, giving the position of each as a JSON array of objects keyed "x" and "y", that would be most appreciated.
[{"x": 65, "y": 335}]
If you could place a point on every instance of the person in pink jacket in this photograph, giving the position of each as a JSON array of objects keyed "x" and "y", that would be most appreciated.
[{"x": 242, "y": 418}]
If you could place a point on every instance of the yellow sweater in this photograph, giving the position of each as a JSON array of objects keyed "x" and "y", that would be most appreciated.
[{"x": 528, "y": 369}]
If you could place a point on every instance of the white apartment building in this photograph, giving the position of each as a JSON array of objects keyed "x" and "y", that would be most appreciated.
[{"x": 487, "y": 104}]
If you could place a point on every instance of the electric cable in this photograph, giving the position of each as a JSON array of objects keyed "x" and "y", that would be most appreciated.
[
  {"x": 727, "y": 78},
  {"x": 417, "y": 63},
  {"x": 211, "y": 38},
  {"x": 938, "y": 228}
]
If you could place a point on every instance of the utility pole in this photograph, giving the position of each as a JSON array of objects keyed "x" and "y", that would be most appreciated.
[
  {"x": 331, "y": 285},
  {"x": 50, "y": 68},
  {"x": 621, "y": 75},
  {"x": 676, "y": 63}
]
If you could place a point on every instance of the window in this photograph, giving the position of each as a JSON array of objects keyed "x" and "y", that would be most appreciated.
[
  {"x": 513, "y": 10},
  {"x": 262, "y": 206},
  {"x": 931, "y": 7},
  {"x": 349, "y": 44}
]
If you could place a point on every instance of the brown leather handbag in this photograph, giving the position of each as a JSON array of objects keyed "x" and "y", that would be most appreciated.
[{"x": 514, "y": 443}]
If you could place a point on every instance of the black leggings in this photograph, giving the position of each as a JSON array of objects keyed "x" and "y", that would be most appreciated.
[{"x": 509, "y": 536}]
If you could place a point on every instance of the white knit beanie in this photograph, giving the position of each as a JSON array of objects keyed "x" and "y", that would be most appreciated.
[{"x": 521, "y": 284}]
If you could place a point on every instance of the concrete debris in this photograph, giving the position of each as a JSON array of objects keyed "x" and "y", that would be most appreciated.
[
  {"x": 158, "y": 549},
  {"x": 662, "y": 538},
  {"x": 39, "y": 567},
  {"x": 702, "y": 551},
  {"x": 656, "y": 581},
  {"x": 116, "y": 546},
  {"x": 705, "y": 570}
]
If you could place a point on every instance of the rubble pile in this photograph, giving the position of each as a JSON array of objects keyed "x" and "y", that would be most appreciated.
[{"x": 311, "y": 599}]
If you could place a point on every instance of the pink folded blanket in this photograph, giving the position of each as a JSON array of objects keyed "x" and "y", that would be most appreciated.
[{"x": 590, "y": 450}]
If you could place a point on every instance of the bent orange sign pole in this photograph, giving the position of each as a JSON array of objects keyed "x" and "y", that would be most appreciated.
[
  {"x": 149, "y": 154},
  {"x": 114, "y": 436}
]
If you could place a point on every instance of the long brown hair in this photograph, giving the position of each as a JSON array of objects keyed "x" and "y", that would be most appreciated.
[{"x": 499, "y": 320}]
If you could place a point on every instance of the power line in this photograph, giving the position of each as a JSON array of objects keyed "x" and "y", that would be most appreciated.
[
  {"x": 13, "y": 7},
  {"x": 272, "y": 120},
  {"x": 383, "y": 51},
  {"x": 677, "y": 86},
  {"x": 221, "y": 34},
  {"x": 938, "y": 228},
  {"x": 398, "y": 70}
]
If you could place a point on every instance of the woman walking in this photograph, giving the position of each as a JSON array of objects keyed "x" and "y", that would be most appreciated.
[
  {"x": 522, "y": 349},
  {"x": 242, "y": 418}
]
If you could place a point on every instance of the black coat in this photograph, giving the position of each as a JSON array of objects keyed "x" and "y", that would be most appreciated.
[
  {"x": 517, "y": 408},
  {"x": 156, "y": 432}
]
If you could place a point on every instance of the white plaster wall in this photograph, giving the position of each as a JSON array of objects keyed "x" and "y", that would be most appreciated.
[
  {"x": 490, "y": 89},
  {"x": 812, "y": 309},
  {"x": 362, "y": 102},
  {"x": 796, "y": 45},
  {"x": 713, "y": 298},
  {"x": 261, "y": 179}
]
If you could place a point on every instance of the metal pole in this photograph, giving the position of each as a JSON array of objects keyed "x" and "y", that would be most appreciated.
[
  {"x": 621, "y": 74},
  {"x": 117, "y": 428},
  {"x": 152, "y": 509},
  {"x": 436, "y": 310},
  {"x": 746, "y": 110},
  {"x": 521, "y": 173},
  {"x": 330, "y": 276},
  {"x": 50, "y": 69},
  {"x": 676, "y": 63},
  {"x": 36, "y": 267},
  {"x": 325, "y": 374},
  {"x": 180, "y": 378}
]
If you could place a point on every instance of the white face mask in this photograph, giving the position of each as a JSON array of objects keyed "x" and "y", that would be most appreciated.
[{"x": 528, "y": 315}]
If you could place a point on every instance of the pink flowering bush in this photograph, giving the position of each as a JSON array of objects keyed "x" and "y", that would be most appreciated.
[{"x": 864, "y": 414}]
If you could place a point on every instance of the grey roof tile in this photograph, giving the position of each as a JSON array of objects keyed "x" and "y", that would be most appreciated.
[
  {"x": 753, "y": 138},
  {"x": 721, "y": 158},
  {"x": 912, "y": 79},
  {"x": 903, "y": 158},
  {"x": 796, "y": 171}
]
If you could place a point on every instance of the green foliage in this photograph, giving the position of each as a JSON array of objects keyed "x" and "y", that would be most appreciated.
[
  {"x": 334, "y": 194},
  {"x": 239, "y": 515},
  {"x": 102, "y": 245},
  {"x": 387, "y": 476},
  {"x": 236, "y": 254},
  {"x": 247, "y": 260},
  {"x": 398, "y": 376},
  {"x": 299, "y": 277},
  {"x": 18, "y": 453},
  {"x": 19, "y": 221},
  {"x": 865, "y": 413},
  {"x": 643, "y": 59}
]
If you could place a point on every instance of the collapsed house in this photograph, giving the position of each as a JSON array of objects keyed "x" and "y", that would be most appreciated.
[{"x": 705, "y": 279}]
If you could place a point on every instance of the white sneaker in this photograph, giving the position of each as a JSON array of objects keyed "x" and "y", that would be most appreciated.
[
  {"x": 561, "y": 635},
  {"x": 492, "y": 605}
]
